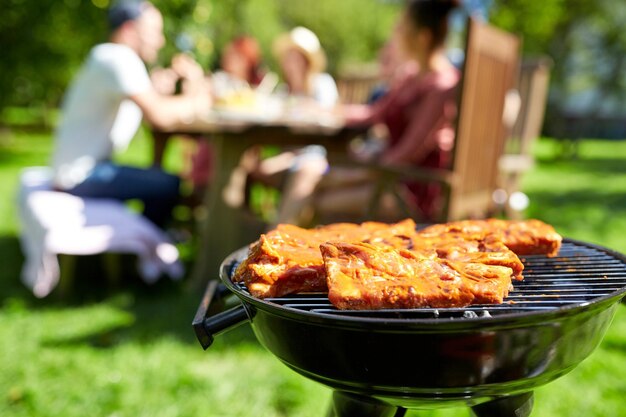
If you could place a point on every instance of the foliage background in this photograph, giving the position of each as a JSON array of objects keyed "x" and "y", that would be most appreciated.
[
  {"x": 587, "y": 44},
  {"x": 44, "y": 41}
]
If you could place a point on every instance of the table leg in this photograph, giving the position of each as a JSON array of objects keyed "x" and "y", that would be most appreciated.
[
  {"x": 221, "y": 231},
  {"x": 159, "y": 143}
]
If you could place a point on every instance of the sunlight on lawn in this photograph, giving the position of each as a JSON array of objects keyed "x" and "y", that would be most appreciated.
[
  {"x": 131, "y": 352},
  {"x": 583, "y": 198}
]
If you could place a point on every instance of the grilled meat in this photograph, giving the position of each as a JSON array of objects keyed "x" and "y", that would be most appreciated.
[
  {"x": 524, "y": 237},
  {"x": 479, "y": 255},
  {"x": 483, "y": 249},
  {"x": 362, "y": 276},
  {"x": 288, "y": 260}
]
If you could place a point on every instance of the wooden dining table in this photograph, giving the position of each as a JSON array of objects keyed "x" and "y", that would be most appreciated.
[{"x": 223, "y": 230}]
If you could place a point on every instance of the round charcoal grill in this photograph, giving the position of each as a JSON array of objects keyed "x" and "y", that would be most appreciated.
[{"x": 488, "y": 357}]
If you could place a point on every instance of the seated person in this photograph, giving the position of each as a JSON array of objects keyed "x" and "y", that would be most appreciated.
[
  {"x": 240, "y": 67},
  {"x": 393, "y": 66},
  {"x": 297, "y": 171},
  {"x": 418, "y": 112},
  {"x": 103, "y": 109},
  {"x": 302, "y": 62},
  {"x": 239, "y": 75}
]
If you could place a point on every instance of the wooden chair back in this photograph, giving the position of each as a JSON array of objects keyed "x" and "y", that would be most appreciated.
[
  {"x": 355, "y": 87},
  {"x": 532, "y": 85},
  {"x": 490, "y": 69}
]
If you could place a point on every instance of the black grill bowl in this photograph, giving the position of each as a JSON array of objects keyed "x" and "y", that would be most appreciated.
[{"x": 421, "y": 358}]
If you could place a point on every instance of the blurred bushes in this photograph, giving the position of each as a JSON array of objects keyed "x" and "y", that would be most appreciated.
[
  {"x": 44, "y": 41},
  {"x": 587, "y": 42},
  {"x": 349, "y": 30}
]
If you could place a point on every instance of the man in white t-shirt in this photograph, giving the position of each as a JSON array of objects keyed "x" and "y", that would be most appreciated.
[{"x": 105, "y": 105}]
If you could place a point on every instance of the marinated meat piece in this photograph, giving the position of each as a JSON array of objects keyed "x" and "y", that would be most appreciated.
[
  {"x": 486, "y": 250},
  {"x": 288, "y": 260},
  {"x": 276, "y": 267},
  {"x": 363, "y": 276},
  {"x": 524, "y": 237}
]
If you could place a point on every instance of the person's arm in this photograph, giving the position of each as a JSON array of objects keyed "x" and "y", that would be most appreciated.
[
  {"x": 187, "y": 68},
  {"x": 164, "y": 80},
  {"x": 365, "y": 114},
  {"x": 420, "y": 136},
  {"x": 164, "y": 83},
  {"x": 358, "y": 115},
  {"x": 130, "y": 78},
  {"x": 163, "y": 112}
]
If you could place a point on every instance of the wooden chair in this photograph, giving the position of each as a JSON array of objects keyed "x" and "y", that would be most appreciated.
[
  {"x": 355, "y": 86},
  {"x": 490, "y": 69},
  {"x": 532, "y": 86}
]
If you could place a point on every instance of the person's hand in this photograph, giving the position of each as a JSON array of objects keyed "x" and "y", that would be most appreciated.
[
  {"x": 203, "y": 103},
  {"x": 164, "y": 80},
  {"x": 355, "y": 114},
  {"x": 187, "y": 68},
  {"x": 201, "y": 86}
]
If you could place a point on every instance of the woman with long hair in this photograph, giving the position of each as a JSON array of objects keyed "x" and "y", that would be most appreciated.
[{"x": 418, "y": 112}]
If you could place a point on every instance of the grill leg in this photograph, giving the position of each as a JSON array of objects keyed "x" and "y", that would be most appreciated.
[
  {"x": 515, "y": 406},
  {"x": 350, "y": 405}
]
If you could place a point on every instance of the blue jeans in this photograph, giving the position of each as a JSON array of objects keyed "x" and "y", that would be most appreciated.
[{"x": 158, "y": 190}]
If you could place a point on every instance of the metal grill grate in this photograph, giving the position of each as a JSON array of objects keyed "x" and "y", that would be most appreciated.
[{"x": 578, "y": 275}]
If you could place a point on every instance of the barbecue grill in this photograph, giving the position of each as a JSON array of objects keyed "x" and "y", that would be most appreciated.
[{"x": 489, "y": 357}]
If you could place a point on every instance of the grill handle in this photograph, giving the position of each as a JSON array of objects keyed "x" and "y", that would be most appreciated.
[{"x": 207, "y": 323}]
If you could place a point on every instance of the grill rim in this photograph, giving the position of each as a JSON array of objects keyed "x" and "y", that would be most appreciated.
[{"x": 505, "y": 320}]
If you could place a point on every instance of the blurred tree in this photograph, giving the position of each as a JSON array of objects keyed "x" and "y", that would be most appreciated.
[
  {"x": 346, "y": 38},
  {"x": 44, "y": 41},
  {"x": 587, "y": 42},
  {"x": 211, "y": 24}
]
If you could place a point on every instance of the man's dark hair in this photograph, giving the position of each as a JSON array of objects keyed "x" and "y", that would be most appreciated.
[{"x": 122, "y": 11}]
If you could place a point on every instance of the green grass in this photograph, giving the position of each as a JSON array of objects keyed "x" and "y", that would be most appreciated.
[
  {"x": 584, "y": 198},
  {"x": 131, "y": 351}
]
